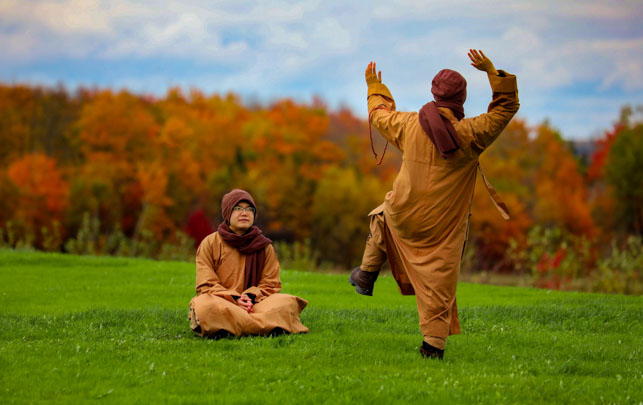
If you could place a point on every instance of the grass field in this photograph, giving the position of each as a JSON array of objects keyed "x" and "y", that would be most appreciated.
[{"x": 96, "y": 329}]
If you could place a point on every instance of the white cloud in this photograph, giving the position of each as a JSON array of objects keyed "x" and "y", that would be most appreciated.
[
  {"x": 431, "y": 10},
  {"x": 280, "y": 36},
  {"x": 293, "y": 47},
  {"x": 602, "y": 10},
  {"x": 67, "y": 18},
  {"x": 330, "y": 33}
]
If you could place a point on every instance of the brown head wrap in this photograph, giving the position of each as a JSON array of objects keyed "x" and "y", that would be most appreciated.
[
  {"x": 449, "y": 90},
  {"x": 252, "y": 244}
]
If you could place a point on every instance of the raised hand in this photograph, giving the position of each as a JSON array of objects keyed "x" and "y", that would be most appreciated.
[
  {"x": 371, "y": 76},
  {"x": 481, "y": 62}
]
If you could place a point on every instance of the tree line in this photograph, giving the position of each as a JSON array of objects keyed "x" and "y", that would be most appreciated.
[{"x": 156, "y": 168}]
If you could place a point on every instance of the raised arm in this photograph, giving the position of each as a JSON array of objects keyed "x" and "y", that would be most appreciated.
[
  {"x": 381, "y": 109},
  {"x": 485, "y": 128}
]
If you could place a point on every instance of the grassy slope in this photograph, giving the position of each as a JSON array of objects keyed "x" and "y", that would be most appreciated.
[{"x": 79, "y": 329}]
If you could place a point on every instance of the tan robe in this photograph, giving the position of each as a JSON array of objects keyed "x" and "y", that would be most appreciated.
[
  {"x": 220, "y": 280},
  {"x": 423, "y": 223}
]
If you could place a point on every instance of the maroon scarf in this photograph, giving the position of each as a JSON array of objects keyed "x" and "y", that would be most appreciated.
[
  {"x": 252, "y": 244},
  {"x": 449, "y": 90}
]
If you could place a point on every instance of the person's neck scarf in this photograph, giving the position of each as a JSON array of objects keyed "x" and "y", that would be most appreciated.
[
  {"x": 439, "y": 129},
  {"x": 252, "y": 244}
]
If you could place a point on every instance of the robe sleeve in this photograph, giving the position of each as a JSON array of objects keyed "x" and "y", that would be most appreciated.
[
  {"x": 270, "y": 282},
  {"x": 504, "y": 104},
  {"x": 381, "y": 110},
  {"x": 207, "y": 263}
]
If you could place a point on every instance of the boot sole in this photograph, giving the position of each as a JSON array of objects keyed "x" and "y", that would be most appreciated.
[{"x": 430, "y": 355}]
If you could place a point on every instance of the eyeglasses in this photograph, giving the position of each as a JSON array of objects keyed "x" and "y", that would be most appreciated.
[{"x": 238, "y": 208}]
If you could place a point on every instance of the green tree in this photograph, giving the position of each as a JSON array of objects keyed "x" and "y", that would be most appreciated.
[
  {"x": 624, "y": 172},
  {"x": 341, "y": 205}
]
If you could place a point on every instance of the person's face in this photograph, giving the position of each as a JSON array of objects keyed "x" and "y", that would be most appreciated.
[{"x": 242, "y": 218}]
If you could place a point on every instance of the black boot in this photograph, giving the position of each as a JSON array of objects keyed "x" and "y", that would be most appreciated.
[
  {"x": 429, "y": 352},
  {"x": 220, "y": 334},
  {"x": 363, "y": 281}
]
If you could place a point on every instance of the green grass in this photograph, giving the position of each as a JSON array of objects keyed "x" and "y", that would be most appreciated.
[{"x": 84, "y": 329}]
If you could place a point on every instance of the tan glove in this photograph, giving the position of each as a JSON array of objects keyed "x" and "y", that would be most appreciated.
[
  {"x": 371, "y": 76},
  {"x": 481, "y": 62}
]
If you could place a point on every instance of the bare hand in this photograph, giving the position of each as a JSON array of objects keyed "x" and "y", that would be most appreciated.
[
  {"x": 481, "y": 62},
  {"x": 245, "y": 303},
  {"x": 371, "y": 75}
]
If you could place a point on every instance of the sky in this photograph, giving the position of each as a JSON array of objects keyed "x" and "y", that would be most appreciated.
[{"x": 577, "y": 62}]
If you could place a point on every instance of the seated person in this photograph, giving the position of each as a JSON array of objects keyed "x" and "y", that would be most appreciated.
[{"x": 237, "y": 279}]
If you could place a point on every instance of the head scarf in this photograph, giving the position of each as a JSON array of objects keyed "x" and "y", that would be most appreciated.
[
  {"x": 449, "y": 90},
  {"x": 252, "y": 244}
]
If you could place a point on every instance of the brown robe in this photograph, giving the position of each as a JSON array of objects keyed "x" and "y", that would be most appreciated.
[
  {"x": 423, "y": 223},
  {"x": 220, "y": 281}
]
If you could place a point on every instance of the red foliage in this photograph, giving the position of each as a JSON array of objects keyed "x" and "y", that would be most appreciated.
[
  {"x": 558, "y": 257},
  {"x": 198, "y": 226},
  {"x": 599, "y": 157}
]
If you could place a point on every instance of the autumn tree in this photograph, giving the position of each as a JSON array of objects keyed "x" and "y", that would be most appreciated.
[
  {"x": 116, "y": 132},
  {"x": 143, "y": 164},
  {"x": 624, "y": 173},
  {"x": 509, "y": 165},
  {"x": 286, "y": 152},
  {"x": 560, "y": 190},
  {"x": 351, "y": 134},
  {"x": 342, "y": 201},
  {"x": 36, "y": 120},
  {"x": 601, "y": 196},
  {"x": 41, "y": 193}
]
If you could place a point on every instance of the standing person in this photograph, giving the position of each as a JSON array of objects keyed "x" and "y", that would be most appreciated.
[
  {"x": 422, "y": 225},
  {"x": 237, "y": 279}
]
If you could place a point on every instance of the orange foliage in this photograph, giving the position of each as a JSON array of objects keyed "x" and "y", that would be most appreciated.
[
  {"x": 153, "y": 180},
  {"x": 560, "y": 189},
  {"x": 504, "y": 164},
  {"x": 143, "y": 164},
  {"x": 117, "y": 124},
  {"x": 42, "y": 192}
]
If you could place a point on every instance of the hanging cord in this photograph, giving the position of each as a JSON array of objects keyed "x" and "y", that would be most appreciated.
[
  {"x": 495, "y": 198},
  {"x": 370, "y": 134}
]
